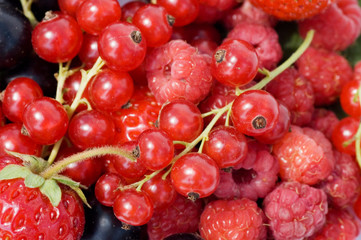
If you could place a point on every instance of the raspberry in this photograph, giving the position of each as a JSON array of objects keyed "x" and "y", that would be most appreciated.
[
  {"x": 176, "y": 70},
  {"x": 324, "y": 120},
  {"x": 296, "y": 93},
  {"x": 336, "y": 28},
  {"x": 263, "y": 38},
  {"x": 304, "y": 155},
  {"x": 327, "y": 71},
  {"x": 254, "y": 178},
  {"x": 357, "y": 71},
  {"x": 343, "y": 184},
  {"x": 248, "y": 13},
  {"x": 232, "y": 219},
  {"x": 295, "y": 210},
  {"x": 181, "y": 217},
  {"x": 340, "y": 224}
]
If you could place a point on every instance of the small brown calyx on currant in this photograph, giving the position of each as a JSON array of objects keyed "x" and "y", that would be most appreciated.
[
  {"x": 193, "y": 196},
  {"x": 136, "y": 36},
  {"x": 136, "y": 152},
  {"x": 49, "y": 15},
  {"x": 219, "y": 55},
  {"x": 227, "y": 170},
  {"x": 171, "y": 20},
  {"x": 259, "y": 122},
  {"x": 24, "y": 131}
]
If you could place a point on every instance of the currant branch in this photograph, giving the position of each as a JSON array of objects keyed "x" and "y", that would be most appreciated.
[{"x": 26, "y": 6}]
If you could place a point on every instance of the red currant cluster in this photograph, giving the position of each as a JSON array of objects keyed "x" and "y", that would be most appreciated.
[{"x": 183, "y": 118}]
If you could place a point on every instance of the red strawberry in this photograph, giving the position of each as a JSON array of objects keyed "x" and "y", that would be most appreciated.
[
  {"x": 292, "y": 10},
  {"x": 27, "y": 214}
]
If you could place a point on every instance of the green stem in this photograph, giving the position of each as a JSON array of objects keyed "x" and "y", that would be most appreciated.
[
  {"x": 358, "y": 136},
  {"x": 61, "y": 77},
  {"x": 26, "y": 5},
  {"x": 95, "y": 152},
  {"x": 286, "y": 64}
]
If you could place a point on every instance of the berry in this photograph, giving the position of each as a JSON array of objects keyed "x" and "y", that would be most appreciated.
[
  {"x": 253, "y": 178},
  {"x": 263, "y": 38},
  {"x": 184, "y": 12},
  {"x": 28, "y": 214},
  {"x": 57, "y": 38},
  {"x": 180, "y": 217},
  {"x": 94, "y": 15},
  {"x": 324, "y": 120},
  {"x": 295, "y": 210},
  {"x": 235, "y": 63},
  {"x": 292, "y": 10},
  {"x": 349, "y": 98},
  {"x": 327, "y": 71},
  {"x": 232, "y": 219},
  {"x": 43, "y": 116},
  {"x": 343, "y": 185},
  {"x": 69, "y": 6},
  {"x": 106, "y": 188},
  {"x": 122, "y": 46},
  {"x": 195, "y": 175},
  {"x": 343, "y": 135},
  {"x": 88, "y": 52},
  {"x": 129, "y": 9},
  {"x": 176, "y": 70},
  {"x": 255, "y": 112},
  {"x": 305, "y": 155},
  {"x": 336, "y": 28}
]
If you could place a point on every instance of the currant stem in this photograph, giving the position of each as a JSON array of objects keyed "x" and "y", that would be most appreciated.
[
  {"x": 61, "y": 77},
  {"x": 286, "y": 64},
  {"x": 26, "y": 5},
  {"x": 78, "y": 157},
  {"x": 358, "y": 136}
]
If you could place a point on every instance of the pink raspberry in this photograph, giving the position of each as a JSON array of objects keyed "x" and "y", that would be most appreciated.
[
  {"x": 340, "y": 225},
  {"x": 296, "y": 93},
  {"x": 324, "y": 120},
  {"x": 176, "y": 70},
  {"x": 248, "y": 13},
  {"x": 295, "y": 211},
  {"x": 336, "y": 28},
  {"x": 254, "y": 178},
  {"x": 181, "y": 217},
  {"x": 327, "y": 71},
  {"x": 232, "y": 219},
  {"x": 263, "y": 38},
  {"x": 343, "y": 184},
  {"x": 305, "y": 155}
]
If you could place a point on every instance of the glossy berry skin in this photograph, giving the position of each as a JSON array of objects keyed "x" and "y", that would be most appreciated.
[
  {"x": 88, "y": 52},
  {"x": 344, "y": 131},
  {"x": 292, "y": 10},
  {"x": 122, "y": 46},
  {"x": 155, "y": 24},
  {"x": 195, "y": 174},
  {"x": 155, "y": 149},
  {"x": 44, "y": 116},
  {"x": 160, "y": 191},
  {"x": 18, "y": 94},
  {"x": 255, "y": 112},
  {"x": 11, "y": 139},
  {"x": 69, "y": 6},
  {"x": 27, "y": 214},
  {"x": 133, "y": 207},
  {"x": 235, "y": 63},
  {"x": 181, "y": 120},
  {"x": 232, "y": 219},
  {"x": 184, "y": 11},
  {"x": 349, "y": 99},
  {"x": 94, "y": 15},
  {"x": 129, "y": 9},
  {"x": 57, "y": 39},
  {"x": 110, "y": 90},
  {"x": 106, "y": 188},
  {"x": 226, "y": 146},
  {"x": 91, "y": 129}
]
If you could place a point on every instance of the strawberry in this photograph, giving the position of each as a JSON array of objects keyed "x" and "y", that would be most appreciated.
[{"x": 292, "y": 10}]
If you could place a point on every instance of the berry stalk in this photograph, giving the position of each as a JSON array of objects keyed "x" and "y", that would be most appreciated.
[{"x": 26, "y": 5}]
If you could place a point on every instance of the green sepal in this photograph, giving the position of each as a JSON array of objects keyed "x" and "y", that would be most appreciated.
[
  {"x": 33, "y": 180},
  {"x": 73, "y": 185},
  {"x": 36, "y": 164},
  {"x": 13, "y": 171},
  {"x": 51, "y": 189}
]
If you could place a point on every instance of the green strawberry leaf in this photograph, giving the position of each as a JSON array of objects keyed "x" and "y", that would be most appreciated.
[
  {"x": 51, "y": 189},
  {"x": 13, "y": 171},
  {"x": 35, "y": 163},
  {"x": 33, "y": 180},
  {"x": 81, "y": 195}
]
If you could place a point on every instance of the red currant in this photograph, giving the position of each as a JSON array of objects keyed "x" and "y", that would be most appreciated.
[{"x": 106, "y": 188}]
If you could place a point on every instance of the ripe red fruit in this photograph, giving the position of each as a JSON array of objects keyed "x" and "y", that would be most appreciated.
[
  {"x": 232, "y": 219},
  {"x": 28, "y": 214},
  {"x": 292, "y": 10},
  {"x": 57, "y": 38},
  {"x": 184, "y": 11},
  {"x": 235, "y": 63},
  {"x": 349, "y": 98},
  {"x": 343, "y": 135},
  {"x": 106, "y": 188}
]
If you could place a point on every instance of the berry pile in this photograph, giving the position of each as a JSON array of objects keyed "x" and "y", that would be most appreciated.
[{"x": 179, "y": 120}]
